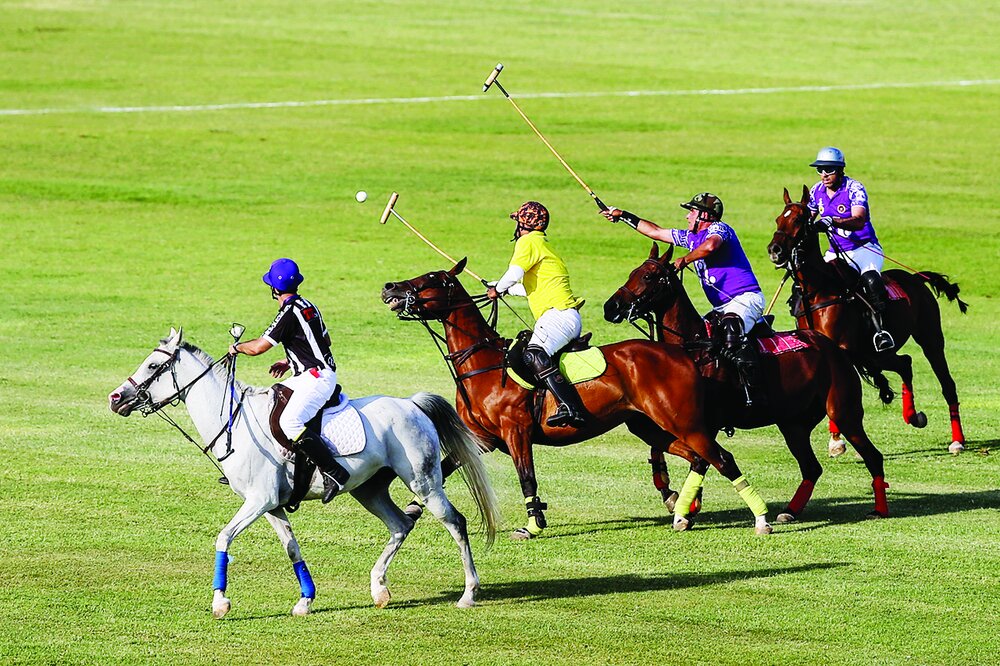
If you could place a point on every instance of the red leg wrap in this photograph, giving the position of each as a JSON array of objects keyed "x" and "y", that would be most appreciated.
[
  {"x": 956, "y": 424},
  {"x": 909, "y": 410},
  {"x": 661, "y": 478},
  {"x": 801, "y": 497},
  {"x": 834, "y": 430},
  {"x": 881, "y": 505}
]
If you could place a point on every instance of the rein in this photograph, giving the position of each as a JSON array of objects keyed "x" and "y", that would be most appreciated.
[{"x": 640, "y": 307}]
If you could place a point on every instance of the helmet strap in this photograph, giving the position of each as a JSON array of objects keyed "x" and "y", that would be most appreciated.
[{"x": 275, "y": 294}]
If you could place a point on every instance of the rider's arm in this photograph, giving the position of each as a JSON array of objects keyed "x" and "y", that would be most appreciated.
[
  {"x": 252, "y": 347},
  {"x": 708, "y": 246},
  {"x": 643, "y": 226},
  {"x": 507, "y": 281},
  {"x": 859, "y": 215}
]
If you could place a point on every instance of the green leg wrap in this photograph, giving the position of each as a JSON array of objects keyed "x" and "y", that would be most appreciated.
[
  {"x": 688, "y": 492},
  {"x": 750, "y": 496},
  {"x": 536, "y": 519}
]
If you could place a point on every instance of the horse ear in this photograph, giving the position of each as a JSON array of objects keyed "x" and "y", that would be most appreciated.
[
  {"x": 654, "y": 252},
  {"x": 174, "y": 337},
  {"x": 805, "y": 195},
  {"x": 666, "y": 258},
  {"x": 788, "y": 197},
  {"x": 459, "y": 267}
]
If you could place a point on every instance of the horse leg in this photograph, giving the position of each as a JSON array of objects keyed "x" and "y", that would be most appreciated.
[
  {"x": 933, "y": 346},
  {"x": 723, "y": 461},
  {"x": 796, "y": 436},
  {"x": 649, "y": 433},
  {"x": 442, "y": 509},
  {"x": 373, "y": 495},
  {"x": 279, "y": 521},
  {"x": 902, "y": 365},
  {"x": 518, "y": 441},
  {"x": 415, "y": 508},
  {"x": 252, "y": 509},
  {"x": 836, "y": 447},
  {"x": 846, "y": 407}
]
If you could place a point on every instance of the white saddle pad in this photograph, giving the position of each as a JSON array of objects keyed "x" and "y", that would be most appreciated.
[{"x": 342, "y": 428}]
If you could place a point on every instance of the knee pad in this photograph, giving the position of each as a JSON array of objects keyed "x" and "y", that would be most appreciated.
[
  {"x": 537, "y": 359},
  {"x": 732, "y": 328}
]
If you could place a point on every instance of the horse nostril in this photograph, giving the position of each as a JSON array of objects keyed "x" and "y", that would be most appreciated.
[
  {"x": 115, "y": 397},
  {"x": 388, "y": 286}
]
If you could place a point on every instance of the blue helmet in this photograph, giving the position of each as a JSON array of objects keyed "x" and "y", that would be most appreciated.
[
  {"x": 283, "y": 275},
  {"x": 829, "y": 157}
]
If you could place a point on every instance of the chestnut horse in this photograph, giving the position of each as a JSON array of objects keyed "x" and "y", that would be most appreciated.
[
  {"x": 844, "y": 320},
  {"x": 654, "y": 390},
  {"x": 801, "y": 385}
]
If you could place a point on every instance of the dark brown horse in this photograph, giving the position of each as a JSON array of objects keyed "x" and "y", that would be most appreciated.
[
  {"x": 801, "y": 385},
  {"x": 827, "y": 309},
  {"x": 653, "y": 389}
]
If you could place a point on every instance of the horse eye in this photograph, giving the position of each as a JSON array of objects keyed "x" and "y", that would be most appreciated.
[{"x": 154, "y": 366}]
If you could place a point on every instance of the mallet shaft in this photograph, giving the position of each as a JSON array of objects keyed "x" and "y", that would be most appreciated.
[
  {"x": 775, "y": 297},
  {"x": 429, "y": 243}
]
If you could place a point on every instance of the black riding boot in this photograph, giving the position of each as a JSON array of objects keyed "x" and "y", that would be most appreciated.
[
  {"x": 570, "y": 411},
  {"x": 334, "y": 475},
  {"x": 874, "y": 290},
  {"x": 743, "y": 354}
]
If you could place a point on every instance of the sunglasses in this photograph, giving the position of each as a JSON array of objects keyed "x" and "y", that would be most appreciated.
[{"x": 824, "y": 170}]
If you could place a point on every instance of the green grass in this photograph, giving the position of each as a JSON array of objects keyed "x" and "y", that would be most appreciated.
[{"x": 117, "y": 226}]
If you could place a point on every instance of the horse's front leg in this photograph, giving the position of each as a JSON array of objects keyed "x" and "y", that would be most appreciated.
[
  {"x": 252, "y": 509},
  {"x": 279, "y": 521},
  {"x": 517, "y": 436}
]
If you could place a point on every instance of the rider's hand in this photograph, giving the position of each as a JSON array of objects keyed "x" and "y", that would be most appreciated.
[
  {"x": 492, "y": 293},
  {"x": 822, "y": 223},
  {"x": 232, "y": 349},
  {"x": 279, "y": 368},
  {"x": 679, "y": 263},
  {"x": 612, "y": 213}
]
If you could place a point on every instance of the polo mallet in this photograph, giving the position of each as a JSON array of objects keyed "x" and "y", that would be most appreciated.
[
  {"x": 492, "y": 80},
  {"x": 775, "y": 297},
  {"x": 390, "y": 210},
  {"x": 236, "y": 330}
]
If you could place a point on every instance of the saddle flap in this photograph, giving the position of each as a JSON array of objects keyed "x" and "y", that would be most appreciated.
[{"x": 281, "y": 395}]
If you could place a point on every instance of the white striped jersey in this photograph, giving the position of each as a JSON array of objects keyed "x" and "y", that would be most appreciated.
[{"x": 300, "y": 329}]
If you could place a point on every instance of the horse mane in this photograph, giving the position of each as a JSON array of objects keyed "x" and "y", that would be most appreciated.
[{"x": 221, "y": 370}]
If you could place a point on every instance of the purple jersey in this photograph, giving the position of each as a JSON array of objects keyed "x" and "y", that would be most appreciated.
[
  {"x": 724, "y": 274},
  {"x": 851, "y": 193}
]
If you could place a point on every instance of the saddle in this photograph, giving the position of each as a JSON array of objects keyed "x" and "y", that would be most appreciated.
[
  {"x": 523, "y": 375},
  {"x": 303, "y": 468}
]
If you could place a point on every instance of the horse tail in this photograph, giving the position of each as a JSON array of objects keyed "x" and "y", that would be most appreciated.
[
  {"x": 459, "y": 443},
  {"x": 940, "y": 284},
  {"x": 874, "y": 376}
]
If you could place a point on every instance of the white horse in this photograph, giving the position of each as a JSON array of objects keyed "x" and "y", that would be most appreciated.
[{"x": 405, "y": 435}]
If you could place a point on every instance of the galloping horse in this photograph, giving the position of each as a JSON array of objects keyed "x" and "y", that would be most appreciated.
[
  {"x": 654, "y": 390},
  {"x": 801, "y": 385},
  {"x": 826, "y": 310},
  {"x": 406, "y": 436}
]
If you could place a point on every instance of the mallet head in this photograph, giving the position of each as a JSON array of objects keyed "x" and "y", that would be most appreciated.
[
  {"x": 388, "y": 208},
  {"x": 493, "y": 76}
]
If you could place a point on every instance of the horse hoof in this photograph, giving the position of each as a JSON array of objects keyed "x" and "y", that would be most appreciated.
[
  {"x": 221, "y": 607},
  {"x": 681, "y": 524},
  {"x": 521, "y": 534},
  {"x": 669, "y": 499},
  {"x": 836, "y": 447},
  {"x": 875, "y": 515},
  {"x": 785, "y": 518},
  {"x": 467, "y": 601},
  {"x": 955, "y": 448},
  {"x": 301, "y": 609},
  {"x": 762, "y": 529},
  {"x": 918, "y": 420},
  {"x": 381, "y": 598}
]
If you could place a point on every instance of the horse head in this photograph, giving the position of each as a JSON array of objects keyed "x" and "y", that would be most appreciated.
[
  {"x": 429, "y": 296},
  {"x": 651, "y": 286},
  {"x": 791, "y": 229},
  {"x": 154, "y": 381}
]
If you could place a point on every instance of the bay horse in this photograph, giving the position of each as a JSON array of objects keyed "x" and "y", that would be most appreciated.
[
  {"x": 405, "y": 438},
  {"x": 844, "y": 320},
  {"x": 801, "y": 385},
  {"x": 654, "y": 390}
]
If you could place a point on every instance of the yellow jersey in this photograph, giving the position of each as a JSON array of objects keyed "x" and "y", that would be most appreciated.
[{"x": 546, "y": 280}]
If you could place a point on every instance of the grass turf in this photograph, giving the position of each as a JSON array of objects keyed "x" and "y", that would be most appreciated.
[{"x": 116, "y": 226}]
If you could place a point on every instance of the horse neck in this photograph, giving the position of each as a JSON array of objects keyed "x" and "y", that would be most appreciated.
[
  {"x": 682, "y": 317},
  {"x": 813, "y": 272},
  {"x": 465, "y": 327},
  {"x": 205, "y": 398}
]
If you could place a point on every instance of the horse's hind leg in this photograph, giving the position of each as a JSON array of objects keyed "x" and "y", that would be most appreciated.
[
  {"x": 442, "y": 509},
  {"x": 932, "y": 344},
  {"x": 850, "y": 415},
  {"x": 279, "y": 521},
  {"x": 252, "y": 509},
  {"x": 796, "y": 436},
  {"x": 902, "y": 365},
  {"x": 374, "y": 496}
]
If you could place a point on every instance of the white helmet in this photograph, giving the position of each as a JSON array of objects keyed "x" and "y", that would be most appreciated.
[{"x": 829, "y": 157}]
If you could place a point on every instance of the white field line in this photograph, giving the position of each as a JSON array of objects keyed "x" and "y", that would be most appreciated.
[{"x": 474, "y": 98}]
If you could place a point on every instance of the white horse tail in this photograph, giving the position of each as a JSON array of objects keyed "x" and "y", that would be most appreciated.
[{"x": 459, "y": 443}]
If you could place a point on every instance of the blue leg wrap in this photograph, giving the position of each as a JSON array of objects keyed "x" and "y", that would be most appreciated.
[
  {"x": 221, "y": 566},
  {"x": 305, "y": 580}
]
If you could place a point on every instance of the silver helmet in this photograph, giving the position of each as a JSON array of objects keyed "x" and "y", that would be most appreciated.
[{"x": 829, "y": 157}]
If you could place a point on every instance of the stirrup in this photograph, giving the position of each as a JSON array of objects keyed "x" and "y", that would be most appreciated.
[
  {"x": 331, "y": 487},
  {"x": 564, "y": 416},
  {"x": 883, "y": 341}
]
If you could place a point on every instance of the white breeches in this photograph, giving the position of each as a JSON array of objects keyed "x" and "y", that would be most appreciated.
[
  {"x": 309, "y": 394},
  {"x": 749, "y": 306},
  {"x": 555, "y": 329},
  {"x": 865, "y": 258}
]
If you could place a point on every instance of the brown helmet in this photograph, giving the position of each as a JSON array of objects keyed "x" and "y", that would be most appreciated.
[
  {"x": 706, "y": 202},
  {"x": 531, "y": 215}
]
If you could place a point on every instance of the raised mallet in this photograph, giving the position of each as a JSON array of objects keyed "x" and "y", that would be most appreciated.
[
  {"x": 390, "y": 210},
  {"x": 493, "y": 80}
]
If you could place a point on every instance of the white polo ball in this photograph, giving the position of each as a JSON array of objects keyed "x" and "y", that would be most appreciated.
[{"x": 361, "y": 196}]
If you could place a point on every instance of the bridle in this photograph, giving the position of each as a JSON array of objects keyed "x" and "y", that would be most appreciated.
[{"x": 640, "y": 306}]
